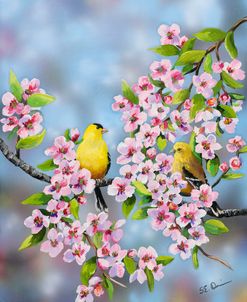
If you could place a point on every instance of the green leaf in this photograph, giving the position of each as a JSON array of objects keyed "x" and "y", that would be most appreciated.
[
  {"x": 97, "y": 239},
  {"x": 213, "y": 165},
  {"x": 47, "y": 165},
  {"x": 67, "y": 219},
  {"x": 219, "y": 131},
  {"x": 12, "y": 133},
  {"x": 128, "y": 205},
  {"x": 187, "y": 68},
  {"x": 141, "y": 188},
  {"x": 140, "y": 213},
  {"x": 161, "y": 142},
  {"x": 208, "y": 64},
  {"x": 237, "y": 96},
  {"x": 156, "y": 83},
  {"x": 67, "y": 134},
  {"x": 165, "y": 50},
  {"x": 190, "y": 57},
  {"x": 145, "y": 200},
  {"x": 198, "y": 104},
  {"x": 230, "y": 45},
  {"x": 164, "y": 260},
  {"x": 88, "y": 269},
  {"x": 210, "y": 35},
  {"x": 37, "y": 199},
  {"x": 40, "y": 99},
  {"x": 128, "y": 93},
  {"x": 230, "y": 176},
  {"x": 109, "y": 288},
  {"x": 243, "y": 150},
  {"x": 150, "y": 279},
  {"x": 230, "y": 81},
  {"x": 217, "y": 88},
  {"x": 31, "y": 141},
  {"x": 15, "y": 86},
  {"x": 130, "y": 264},
  {"x": 227, "y": 111},
  {"x": 74, "y": 208},
  {"x": 195, "y": 257},
  {"x": 32, "y": 240},
  {"x": 188, "y": 45},
  {"x": 192, "y": 144},
  {"x": 215, "y": 227},
  {"x": 180, "y": 96}
]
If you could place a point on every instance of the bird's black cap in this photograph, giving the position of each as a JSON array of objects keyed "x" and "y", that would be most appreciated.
[{"x": 99, "y": 126}]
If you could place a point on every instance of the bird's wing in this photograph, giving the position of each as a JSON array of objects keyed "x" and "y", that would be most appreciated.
[
  {"x": 194, "y": 180},
  {"x": 109, "y": 163}
]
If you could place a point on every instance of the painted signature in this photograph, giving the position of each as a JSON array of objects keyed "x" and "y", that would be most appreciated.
[{"x": 212, "y": 286}]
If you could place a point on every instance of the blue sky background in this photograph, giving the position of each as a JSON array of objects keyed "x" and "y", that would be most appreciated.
[{"x": 81, "y": 50}]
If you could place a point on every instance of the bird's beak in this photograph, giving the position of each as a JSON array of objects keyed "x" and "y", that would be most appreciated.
[{"x": 104, "y": 130}]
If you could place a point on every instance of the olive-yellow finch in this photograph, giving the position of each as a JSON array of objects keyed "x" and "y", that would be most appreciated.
[{"x": 93, "y": 155}]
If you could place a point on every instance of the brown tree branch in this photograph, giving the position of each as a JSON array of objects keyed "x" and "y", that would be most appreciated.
[{"x": 215, "y": 258}]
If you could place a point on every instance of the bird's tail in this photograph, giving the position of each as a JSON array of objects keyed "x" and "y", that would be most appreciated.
[{"x": 100, "y": 202}]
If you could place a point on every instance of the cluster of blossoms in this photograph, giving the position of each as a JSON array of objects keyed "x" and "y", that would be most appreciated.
[{"x": 19, "y": 116}]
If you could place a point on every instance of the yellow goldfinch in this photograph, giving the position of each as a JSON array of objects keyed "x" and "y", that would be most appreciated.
[
  {"x": 92, "y": 153},
  {"x": 191, "y": 169}
]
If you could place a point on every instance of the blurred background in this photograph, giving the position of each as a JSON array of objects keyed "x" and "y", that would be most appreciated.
[{"x": 81, "y": 50}]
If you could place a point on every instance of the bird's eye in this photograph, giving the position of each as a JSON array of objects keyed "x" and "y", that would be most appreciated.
[{"x": 179, "y": 149}]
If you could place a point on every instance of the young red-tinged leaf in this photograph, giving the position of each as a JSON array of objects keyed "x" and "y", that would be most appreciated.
[
  {"x": 128, "y": 205},
  {"x": 128, "y": 93},
  {"x": 188, "y": 45},
  {"x": 88, "y": 269},
  {"x": 190, "y": 57},
  {"x": 47, "y": 165},
  {"x": 210, "y": 34},
  {"x": 164, "y": 260},
  {"x": 74, "y": 208},
  {"x": 215, "y": 227},
  {"x": 166, "y": 50},
  {"x": 195, "y": 257},
  {"x": 130, "y": 264},
  {"x": 140, "y": 213},
  {"x": 109, "y": 287},
  {"x": 150, "y": 279},
  {"x": 161, "y": 142},
  {"x": 32, "y": 240},
  {"x": 31, "y": 141},
  {"x": 207, "y": 66},
  {"x": 15, "y": 86},
  {"x": 180, "y": 96},
  {"x": 230, "y": 45},
  {"x": 243, "y": 150},
  {"x": 40, "y": 99},
  {"x": 141, "y": 188},
  {"x": 198, "y": 104},
  {"x": 237, "y": 96},
  {"x": 230, "y": 176},
  {"x": 213, "y": 165},
  {"x": 227, "y": 111},
  {"x": 229, "y": 81},
  {"x": 37, "y": 199}
]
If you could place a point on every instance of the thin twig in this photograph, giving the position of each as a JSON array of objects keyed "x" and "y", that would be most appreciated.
[
  {"x": 215, "y": 258},
  {"x": 114, "y": 281}
]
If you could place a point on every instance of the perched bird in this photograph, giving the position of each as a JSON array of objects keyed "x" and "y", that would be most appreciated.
[
  {"x": 92, "y": 153},
  {"x": 191, "y": 169}
]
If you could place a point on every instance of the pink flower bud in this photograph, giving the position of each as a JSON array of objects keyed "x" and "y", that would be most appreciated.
[
  {"x": 212, "y": 102},
  {"x": 74, "y": 134},
  {"x": 187, "y": 104},
  {"x": 168, "y": 99},
  {"x": 225, "y": 98},
  {"x": 235, "y": 163},
  {"x": 151, "y": 153},
  {"x": 131, "y": 253},
  {"x": 224, "y": 167},
  {"x": 82, "y": 199}
]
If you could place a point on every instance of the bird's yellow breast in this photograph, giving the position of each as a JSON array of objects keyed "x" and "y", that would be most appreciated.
[{"x": 93, "y": 155}]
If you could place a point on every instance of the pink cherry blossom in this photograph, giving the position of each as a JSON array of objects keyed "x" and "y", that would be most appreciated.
[
  {"x": 198, "y": 234},
  {"x": 130, "y": 150},
  {"x": 84, "y": 293},
  {"x": 144, "y": 86},
  {"x": 234, "y": 70},
  {"x": 147, "y": 257},
  {"x": 235, "y": 163},
  {"x": 121, "y": 104},
  {"x": 159, "y": 111},
  {"x": 173, "y": 195},
  {"x": 187, "y": 104},
  {"x": 162, "y": 180},
  {"x": 182, "y": 40},
  {"x": 190, "y": 213},
  {"x": 73, "y": 233},
  {"x": 81, "y": 182},
  {"x": 176, "y": 181},
  {"x": 129, "y": 171},
  {"x": 36, "y": 222},
  {"x": 133, "y": 118},
  {"x": 96, "y": 283},
  {"x": 161, "y": 216},
  {"x": 146, "y": 171},
  {"x": 204, "y": 84},
  {"x": 204, "y": 195},
  {"x": 235, "y": 144},
  {"x": 207, "y": 114},
  {"x": 9, "y": 123},
  {"x": 169, "y": 34},
  {"x": 183, "y": 246},
  {"x": 180, "y": 121},
  {"x": 160, "y": 69},
  {"x": 218, "y": 66},
  {"x": 172, "y": 230},
  {"x": 138, "y": 275},
  {"x": 148, "y": 135},
  {"x": 206, "y": 145},
  {"x": 104, "y": 251},
  {"x": 224, "y": 167},
  {"x": 174, "y": 80},
  {"x": 120, "y": 188},
  {"x": 97, "y": 223},
  {"x": 228, "y": 124},
  {"x": 237, "y": 105},
  {"x": 163, "y": 163},
  {"x": 157, "y": 272},
  {"x": 31, "y": 87},
  {"x": 61, "y": 150},
  {"x": 151, "y": 153},
  {"x": 11, "y": 105},
  {"x": 54, "y": 245},
  {"x": 155, "y": 189},
  {"x": 224, "y": 98},
  {"x": 78, "y": 253},
  {"x": 117, "y": 270},
  {"x": 59, "y": 187},
  {"x": 56, "y": 210},
  {"x": 67, "y": 168},
  {"x": 74, "y": 134},
  {"x": 114, "y": 233},
  {"x": 30, "y": 125}
]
